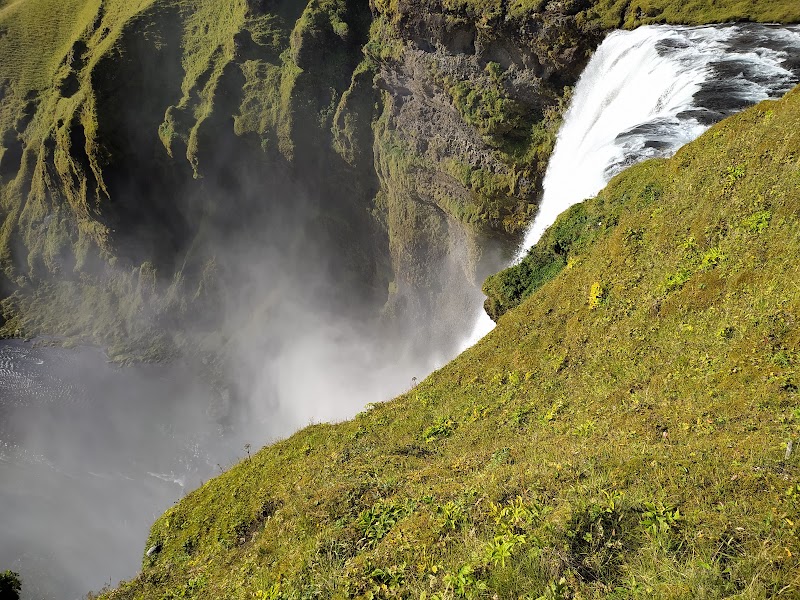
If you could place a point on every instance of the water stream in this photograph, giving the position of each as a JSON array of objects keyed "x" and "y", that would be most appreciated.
[{"x": 646, "y": 93}]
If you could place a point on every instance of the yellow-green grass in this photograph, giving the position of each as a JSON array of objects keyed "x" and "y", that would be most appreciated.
[
  {"x": 606, "y": 14},
  {"x": 621, "y": 13},
  {"x": 621, "y": 434}
]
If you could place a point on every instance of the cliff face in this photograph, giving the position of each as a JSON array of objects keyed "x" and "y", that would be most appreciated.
[
  {"x": 387, "y": 154},
  {"x": 175, "y": 144},
  {"x": 147, "y": 146},
  {"x": 471, "y": 107}
]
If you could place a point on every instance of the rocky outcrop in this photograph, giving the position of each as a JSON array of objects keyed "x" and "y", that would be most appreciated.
[{"x": 471, "y": 108}]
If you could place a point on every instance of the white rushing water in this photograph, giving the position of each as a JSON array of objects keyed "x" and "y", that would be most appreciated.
[{"x": 646, "y": 93}]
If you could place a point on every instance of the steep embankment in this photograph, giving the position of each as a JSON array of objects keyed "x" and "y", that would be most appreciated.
[
  {"x": 622, "y": 433},
  {"x": 153, "y": 151}
]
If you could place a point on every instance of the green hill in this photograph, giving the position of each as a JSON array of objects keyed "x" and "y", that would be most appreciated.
[{"x": 621, "y": 434}]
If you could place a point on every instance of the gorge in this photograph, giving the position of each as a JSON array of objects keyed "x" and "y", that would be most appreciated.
[{"x": 287, "y": 214}]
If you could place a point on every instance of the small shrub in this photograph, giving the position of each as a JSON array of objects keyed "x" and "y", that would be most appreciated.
[{"x": 10, "y": 586}]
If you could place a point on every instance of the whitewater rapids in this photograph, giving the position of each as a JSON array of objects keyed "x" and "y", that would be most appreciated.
[{"x": 648, "y": 92}]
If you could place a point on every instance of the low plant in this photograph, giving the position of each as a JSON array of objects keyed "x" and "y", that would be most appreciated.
[
  {"x": 443, "y": 427},
  {"x": 658, "y": 518},
  {"x": 10, "y": 585},
  {"x": 376, "y": 521}
]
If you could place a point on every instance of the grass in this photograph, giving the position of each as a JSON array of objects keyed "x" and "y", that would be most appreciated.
[{"x": 614, "y": 437}]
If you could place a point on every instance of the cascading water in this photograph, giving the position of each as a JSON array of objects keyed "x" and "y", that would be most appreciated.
[{"x": 646, "y": 93}]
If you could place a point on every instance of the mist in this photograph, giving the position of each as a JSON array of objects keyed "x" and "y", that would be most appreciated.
[
  {"x": 92, "y": 453},
  {"x": 260, "y": 258}
]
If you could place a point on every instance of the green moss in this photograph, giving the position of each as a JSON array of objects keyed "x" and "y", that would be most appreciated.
[{"x": 596, "y": 14}]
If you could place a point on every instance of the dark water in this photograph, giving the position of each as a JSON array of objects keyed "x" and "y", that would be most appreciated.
[{"x": 90, "y": 455}]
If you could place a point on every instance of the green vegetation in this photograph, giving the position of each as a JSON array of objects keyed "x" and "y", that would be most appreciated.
[
  {"x": 601, "y": 14},
  {"x": 621, "y": 13},
  {"x": 615, "y": 436},
  {"x": 109, "y": 108},
  {"x": 10, "y": 586}
]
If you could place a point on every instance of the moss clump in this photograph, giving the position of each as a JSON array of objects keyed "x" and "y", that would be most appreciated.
[{"x": 635, "y": 449}]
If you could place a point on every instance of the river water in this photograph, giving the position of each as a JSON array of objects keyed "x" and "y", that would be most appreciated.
[{"x": 90, "y": 455}]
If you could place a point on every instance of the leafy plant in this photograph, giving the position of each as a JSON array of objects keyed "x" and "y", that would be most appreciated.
[
  {"x": 758, "y": 222},
  {"x": 465, "y": 582},
  {"x": 712, "y": 258},
  {"x": 585, "y": 429},
  {"x": 658, "y": 518},
  {"x": 516, "y": 516},
  {"x": 378, "y": 520},
  {"x": 10, "y": 585},
  {"x": 556, "y": 590},
  {"x": 676, "y": 280},
  {"x": 442, "y": 428},
  {"x": 733, "y": 174},
  {"x": 501, "y": 547},
  {"x": 452, "y": 515}
]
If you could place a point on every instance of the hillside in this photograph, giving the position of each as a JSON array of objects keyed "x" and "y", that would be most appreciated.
[
  {"x": 153, "y": 152},
  {"x": 621, "y": 434}
]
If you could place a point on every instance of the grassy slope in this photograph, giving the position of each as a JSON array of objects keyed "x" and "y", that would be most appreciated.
[{"x": 620, "y": 434}]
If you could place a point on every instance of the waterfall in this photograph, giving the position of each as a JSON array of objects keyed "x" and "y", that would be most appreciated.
[{"x": 644, "y": 94}]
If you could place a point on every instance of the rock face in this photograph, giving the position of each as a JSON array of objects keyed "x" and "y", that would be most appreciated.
[
  {"x": 158, "y": 158},
  {"x": 471, "y": 108},
  {"x": 169, "y": 150}
]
